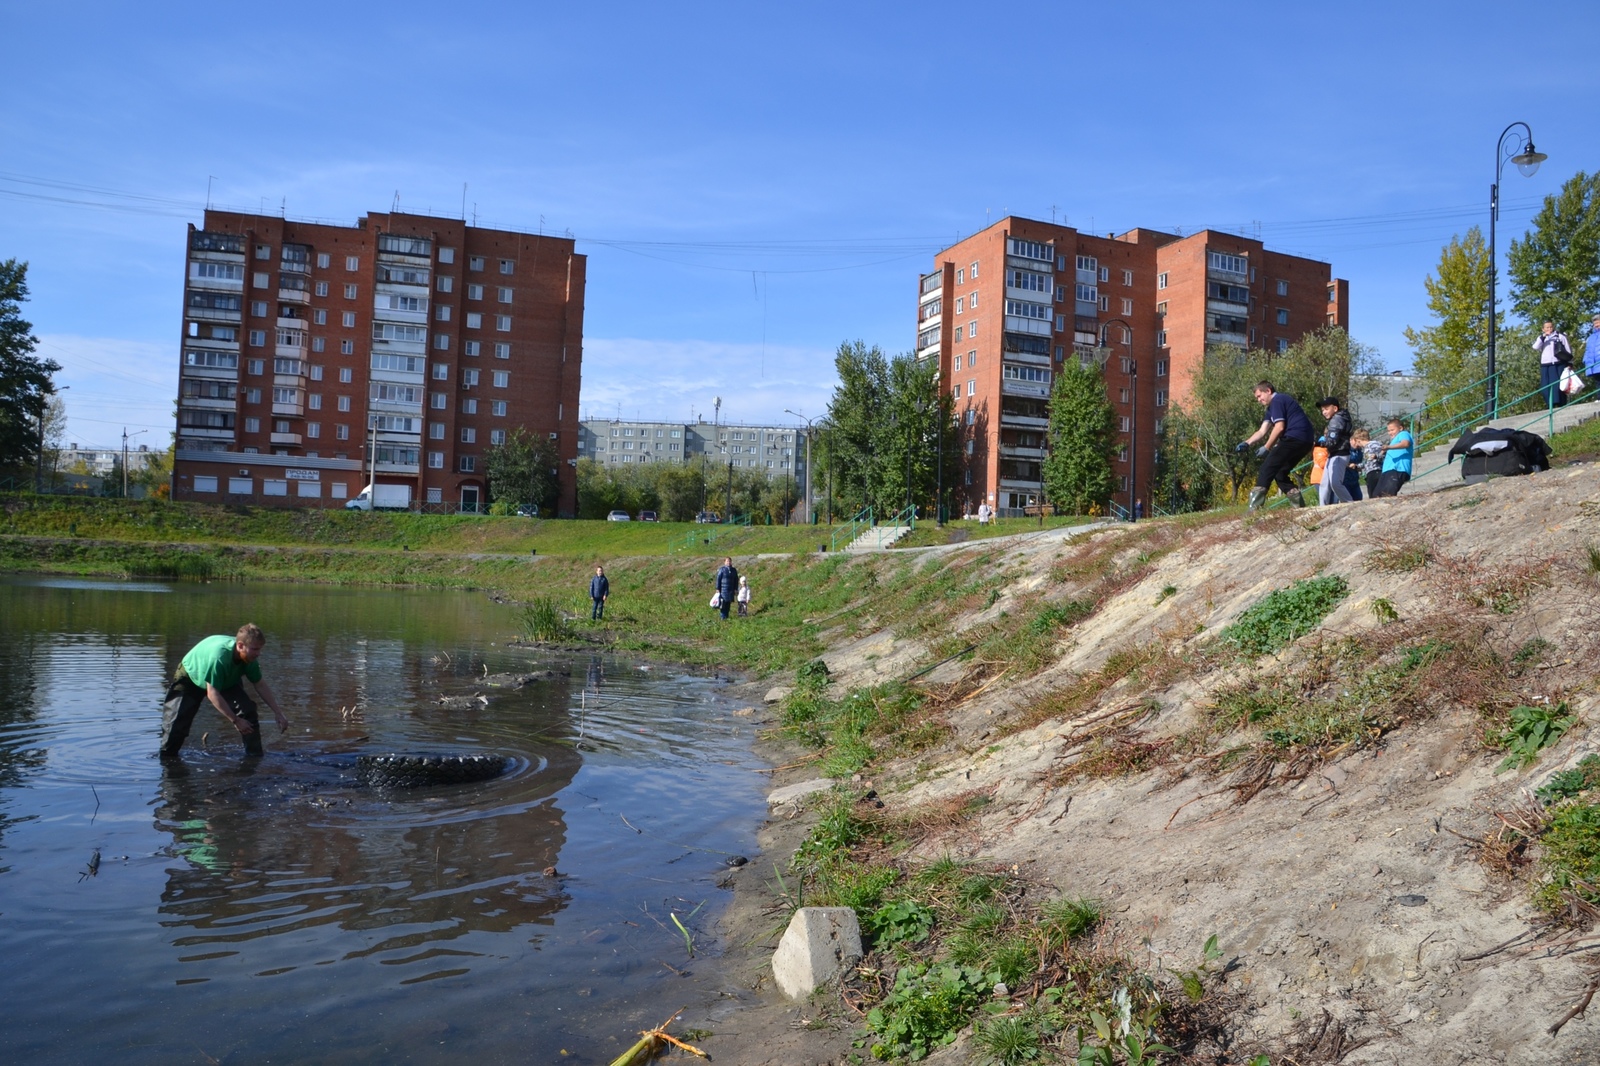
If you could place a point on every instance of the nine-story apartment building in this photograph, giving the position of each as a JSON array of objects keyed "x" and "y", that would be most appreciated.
[{"x": 318, "y": 358}]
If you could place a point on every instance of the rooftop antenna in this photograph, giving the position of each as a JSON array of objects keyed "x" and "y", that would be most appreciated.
[
  {"x": 209, "y": 179},
  {"x": 396, "y": 205},
  {"x": 1052, "y": 214},
  {"x": 283, "y": 207},
  {"x": 463, "y": 201},
  {"x": 474, "y": 212}
]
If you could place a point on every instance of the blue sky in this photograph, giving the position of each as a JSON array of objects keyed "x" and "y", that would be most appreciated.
[{"x": 754, "y": 184}]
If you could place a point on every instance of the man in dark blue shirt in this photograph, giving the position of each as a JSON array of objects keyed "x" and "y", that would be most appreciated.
[{"x": 1286, "y": 437}]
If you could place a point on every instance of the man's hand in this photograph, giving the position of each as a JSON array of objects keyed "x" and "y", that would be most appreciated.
[
  {"x": 242, "y": 724},
  {"x": 283, "y": 723},
  {"x": 1261, "y": 452},
  {"x": 1242, "y": 447}
]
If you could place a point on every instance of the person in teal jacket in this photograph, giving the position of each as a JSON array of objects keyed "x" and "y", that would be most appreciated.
[{"x": 215, "y": 670}]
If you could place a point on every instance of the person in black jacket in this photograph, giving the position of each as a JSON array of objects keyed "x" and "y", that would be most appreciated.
[
  {"x": 727, "y": 586},
  {"x": 1336, "y": 438},
  {"x": 599, "y": 592}
]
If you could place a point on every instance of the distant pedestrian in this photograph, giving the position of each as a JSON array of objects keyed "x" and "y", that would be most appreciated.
[
  {"x": 983, "y": 513},
  {"x": 214, "y": 671},
  {"x": 599, "y": 592},
  {"x": 1335, "y": 438},
  {"x": 1371, "y": 458},
  {"x": 1555, "y": 355},
  {"x": 744, "y": 597},
  {"x": 1591, "y": 350},
  {"x": 1285, "y": 438},
  {"x": 727, "y": 586},
  {"x": 1352, "y": 472},
  {"x": 1397, "y": 455}
]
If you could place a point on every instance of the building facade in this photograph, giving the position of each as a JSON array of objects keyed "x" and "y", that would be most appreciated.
[
  {"x": 776, "y": 451},
  {"x": 1004, "y": 308},
  {"x": 319, "y": 358}
]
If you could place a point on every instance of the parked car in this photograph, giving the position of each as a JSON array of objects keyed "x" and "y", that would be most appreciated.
[
  {"x": 528, "y": 510},
  {"x": 708, "y": 518},
  {"x": 647, "y": 516},
  {"x": 618, "y": 516}
]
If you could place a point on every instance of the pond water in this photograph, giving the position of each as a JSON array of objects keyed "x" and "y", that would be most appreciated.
[{"x": 279, "y": 911}]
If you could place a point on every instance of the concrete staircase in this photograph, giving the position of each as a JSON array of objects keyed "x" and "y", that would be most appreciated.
[
  {"x": 1432, "y": 473},
  {"x": 877, "y": 538}
]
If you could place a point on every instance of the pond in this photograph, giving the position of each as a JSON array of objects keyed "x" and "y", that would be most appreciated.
[{"x": 279, "y": 910}]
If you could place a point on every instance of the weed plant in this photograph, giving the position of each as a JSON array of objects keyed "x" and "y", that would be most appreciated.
[
  {"x": 542, "y": 620},
  {"x": 1286, "y": 615},
  {"x": 1570, "y": 859}
]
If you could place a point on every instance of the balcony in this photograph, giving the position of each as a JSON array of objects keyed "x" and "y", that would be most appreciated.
[
  {"x": 1086, "y": 308},
  {"x": 212, "y": 403},
  {"x": 1017, "y": 451},
  {"x": 930, "y": 352},
  {"x": 932, "y": 283},
  {"x": 1019, "y": 484},
  {"x": 396, "y": 468},
  {"x": 1038, "y": 327},
  {"x": 292, "y": 410},
  {"x": 212, "y": 314},
  {"x": 1217, "y": 336},
  {"x": 1015, "y": 420},
  {"x": 294, "y": 296},
  {"x": 286, "y": 438},
  {"x": 205, "y": 431},
  {"x": 1010, "y": 387}
]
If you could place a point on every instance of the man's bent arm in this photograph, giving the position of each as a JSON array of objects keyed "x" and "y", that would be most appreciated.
[
  {"x": 272, "y": 701},
  {"x": 240, "y": 723}
]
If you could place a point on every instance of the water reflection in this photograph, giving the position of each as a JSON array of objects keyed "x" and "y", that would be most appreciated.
[{"x": 277, "y": 910}]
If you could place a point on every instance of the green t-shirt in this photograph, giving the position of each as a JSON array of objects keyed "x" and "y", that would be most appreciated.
[{"x": 212, "y": 662}]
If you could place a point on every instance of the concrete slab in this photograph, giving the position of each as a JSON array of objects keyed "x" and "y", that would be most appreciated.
[{"x": 818, "y": 945}]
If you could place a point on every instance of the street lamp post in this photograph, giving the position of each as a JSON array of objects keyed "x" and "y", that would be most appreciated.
[
  {"x": 125, "y": 436},
  {"x": 1133, "y": 435},
  {"x": 810, "y": 516},
  {"x": 38, "y": 460},
  {"x": 1527, "y": 161}
]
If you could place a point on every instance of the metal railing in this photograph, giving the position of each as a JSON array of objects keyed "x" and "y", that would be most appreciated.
[{"x": 851, "y": 529}]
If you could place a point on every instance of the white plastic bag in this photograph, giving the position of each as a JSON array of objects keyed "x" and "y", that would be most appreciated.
[
  {"x": 716, "y": 599},
  {"x": 1570, "y": 383}
]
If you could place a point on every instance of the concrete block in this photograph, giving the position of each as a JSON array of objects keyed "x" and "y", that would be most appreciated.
[
  {"x": 797, "y": 792},
  {"x": 818, "y": 945},
  {"x": 775, "y": 694}
]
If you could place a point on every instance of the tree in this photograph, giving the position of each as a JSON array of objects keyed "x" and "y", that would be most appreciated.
[
  {"x": 155, "y": 476},
  {"x": 1082, "y": 435},
  {"x": 523, "y": 470},
  {"x": 55, "y": 432},
  {"x": 25, "y": 383},
  {"x": 1555, "y": 269},
  {"x": 855, "y": 412}
]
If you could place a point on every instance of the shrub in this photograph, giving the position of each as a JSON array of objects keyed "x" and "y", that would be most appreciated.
[
  {"x": 926, "y": 1009},
  {"x": 1286, "y": 615},
  {"x": 542, "y": 620}
]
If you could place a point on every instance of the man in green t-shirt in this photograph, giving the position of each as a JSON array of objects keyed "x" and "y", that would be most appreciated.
[{"x": 215, "y": 670}]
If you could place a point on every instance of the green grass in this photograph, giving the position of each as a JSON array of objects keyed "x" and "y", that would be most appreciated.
[
  {"x": 959, "y": 531},
  {"x": 1579, "y": 442},
  {"x": 1285, "y": 615}
]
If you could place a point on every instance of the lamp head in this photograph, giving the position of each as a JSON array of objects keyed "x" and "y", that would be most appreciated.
[{"x": 1528, "y": 162}]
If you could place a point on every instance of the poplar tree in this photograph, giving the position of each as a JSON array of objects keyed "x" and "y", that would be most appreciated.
[
  {"x": 1082, "y": 434},
  {"x": 1555, "y": 269},
  {"x": 25, "y": 383}
]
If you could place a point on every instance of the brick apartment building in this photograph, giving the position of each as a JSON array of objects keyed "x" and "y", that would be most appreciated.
[
  {"x": 318, "y": 358},
  {"x": 1003, "y": 308}
]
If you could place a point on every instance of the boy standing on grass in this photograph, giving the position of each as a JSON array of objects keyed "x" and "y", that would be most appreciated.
[
  {"x": 599, "y": 591},
  {"x": 215, "y": 669}
]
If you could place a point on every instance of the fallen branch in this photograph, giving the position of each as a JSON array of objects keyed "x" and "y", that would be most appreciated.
[
  {"x": 1581, "y": 1006},
  {"x": 650, "y": 1041}
]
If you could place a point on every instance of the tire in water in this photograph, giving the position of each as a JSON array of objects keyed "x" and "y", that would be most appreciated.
[{"x": 423, "y": 771}]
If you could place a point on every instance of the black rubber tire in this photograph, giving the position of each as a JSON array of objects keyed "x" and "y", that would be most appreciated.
[{"x": 398, "y": 770}]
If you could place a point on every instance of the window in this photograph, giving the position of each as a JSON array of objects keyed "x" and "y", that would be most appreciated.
[
  {"x": 961, "y": 276},
  {"x": 972, "y": 361},
  {"x": 323, "y": 261},
  {"x": 436, "y": 461},
  {"x": 441, "y": 342},
  {"x": 507, "y": 266},
  {"x": 441, "y": 313},
  {"x": 469, "y": 463},
  {"x": 1086, "y": 293},
  {"x": 505, "y": 295},
  {"x": 436, "y": 431},
  {"x": 203, "y": 483},
  {"x": 1088, "y": 263},
  {"x": 972, "y": 387},
  {"x": 402, "y": 364},
  {"x": 497, "y": 436},
  {"x": 470, "y": 348},
  {"x": 352, "y": 263},
  {"x": 289, "y": 396},
  {"x": 972, "y": 415},
  {"x": 1283, "y": 316},
  {"x": 502, "y": 351},
  {"x": 1161, "y": 397},
  {"x": 1030, "y": 281},
  {"x": 350, "y": 291},
  {"x": 1123, "y": 423},
  {"x": 1229, "y": 264},
  {"x": 475, "y": 262},
  {"x": 441, "y": 371},
  {"x": 318, "y": 344},
  {"x": 469, "y": 435},
  {"x": 1105, "y": 303},
  {"x": 498, "y": 409},
  {"x": 1122, "y": 396},
  {"x": 347, "y": 347},
  {"x": 1127, "y": 306},
  {"x": 1161, "y": 281},
  {"x": 349, "y": 319},
  {"x": 961, "y": 305},
  {"x": 502, "y": 323},
  {"x": 1105, "y": 273},
  {"x": 263, "y": 251},
  {"x": 973, "y": 272},
  {"x": 241, "y": 486},
  {"x": 972, "y": 329},
  {"x": 219, "y": 360},
  {"x": 1013, "y": 372},
  {"x": 469, "y": 378},
  {"x": 447, "y": 284},
  {"x": 1029, "y": 250},
  {"x": 1127, "y": 277},
  {"x": 255, "y": 366},
  {"x": 474, "y": 292},
  {"x": 1283, "y": 345},
  {"x": 321, "y": 288},
  {"x": 447, "y": 255},
  {"x": 1283, "y": 288},
  {"x": 252, "y": 395},
  {"x": 313, "y": 429},
  {"x": 314, "y": 401},
  {"x": 469, "y": 406},
  {"x": 439, "y": 401},
  {"x": 972, "y": 302},
  {"x": 474, "y": 320},
  {"x": 319, "y": 317},
  {"x": 1024, "y": 309},
  {"x": 252, "y": 425},
  {"x": 344, "y": 403},
  {"x": 258, "y": 308},
  {"x": 1061, "y": 323},
  {"x": 1161, "y": 368},
  {"x": 502, "y": 379},
  {"x": 389, "y": 331}
]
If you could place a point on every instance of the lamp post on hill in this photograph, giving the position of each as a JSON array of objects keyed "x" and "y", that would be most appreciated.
[
  {"x": 125, "y": 436},
  {"x": 1527, "y": 161},
  {"x": 810, "y": 518},
  {"x": 1133, "y": 424}
]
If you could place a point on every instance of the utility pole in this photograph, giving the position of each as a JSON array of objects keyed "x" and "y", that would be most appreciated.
[{"x": 810, "y": 507}]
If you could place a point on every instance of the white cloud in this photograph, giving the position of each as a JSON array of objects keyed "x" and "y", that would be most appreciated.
[
  {"x": 111, "y": 383},
  {"x": 679, "y": 380}
]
